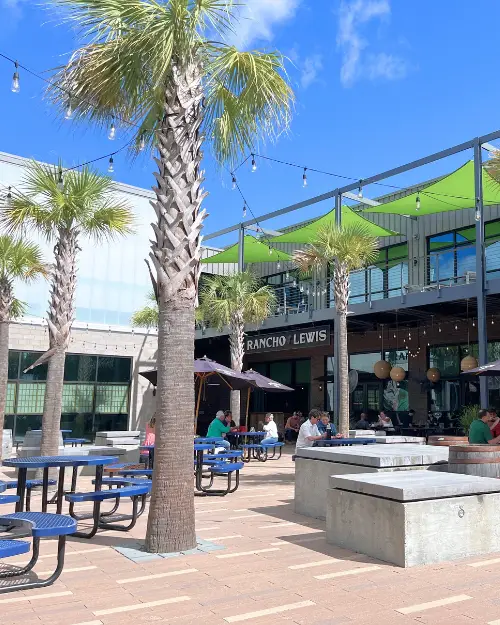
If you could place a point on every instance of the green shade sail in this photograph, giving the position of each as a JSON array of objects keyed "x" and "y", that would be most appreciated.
[
  {"x": 254, "y": 252},
  {"x": 307, "y": 233},
  {"x": 452, "y": 192}
]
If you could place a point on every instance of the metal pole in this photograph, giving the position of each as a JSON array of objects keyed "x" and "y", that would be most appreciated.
[
  {"x": 241, "y": 248},
  {"x": 482, "y": 336},
  {"x": 336, "y": 363}
]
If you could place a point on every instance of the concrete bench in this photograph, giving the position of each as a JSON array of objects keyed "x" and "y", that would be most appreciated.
[
  {"x": 315, "y": 465},
  {"x": 414, "y": 517},
  {"x": 399, "y": 440}
]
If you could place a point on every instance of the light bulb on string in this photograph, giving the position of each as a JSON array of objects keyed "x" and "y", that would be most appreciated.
[
  {"x": 60, "y": 181},
  {"x": 278, "y": 265},
  {"x": 142, "y": 143},
  {"x": 244, "y": 210},
  {"x": 233, "y": 182},
  {"x": 111, "y": 167},
  {"x": 270, "y": 251},
  {"x": 492, "y": 321},
  {"x": 69, "y": 110},
  {"x": 439, "y": 328},
  {"x": 417, "y": 203},
  {"x": 295, "y": 283},
  {"x": 477, "y": 215},
  {"x": 424, "y": 332},
  {"x": 304, "y": 178},
  {"x": 254, "y": 164},
  {"x": 473, "y": 323},
  {"x": 360, "y": 191},
  {"x": 112, "y": 132},
  {"x": 287, "y": 276},
  {"x": 456, "y": 326},
  {"x": 15, "y": 86},
  {"x": 8, "y": 197}
]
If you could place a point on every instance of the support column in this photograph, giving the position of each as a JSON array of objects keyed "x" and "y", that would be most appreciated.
[
  {"x": 336, "y": 367},
  {"x": 241, "y": 249},
  {"x": 482, "y": 335}
]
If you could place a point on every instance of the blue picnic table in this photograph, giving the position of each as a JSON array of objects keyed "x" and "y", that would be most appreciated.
[
  {"x": 339, "y": 442},
  {"x": 60, "y": 462}
]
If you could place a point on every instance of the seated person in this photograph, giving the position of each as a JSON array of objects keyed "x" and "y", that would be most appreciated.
[
  {"x": 271, "y": 430},
  {"x": 309, "y": 433},
  {"x": 218, "y": 429},
  {"x": 494, "y": 423},
  {"x": 292, "y": 427},
  {"x": 150, "y": 431},
  {"x": 325, "y": 427},
  {"x": 479, "y": 431},
  {"x": 384, "y": 423},
  {"x": 363, "y": 423}
]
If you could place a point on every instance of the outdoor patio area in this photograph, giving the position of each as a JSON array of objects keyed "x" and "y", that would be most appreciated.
[{"x": 261, "y": 563}]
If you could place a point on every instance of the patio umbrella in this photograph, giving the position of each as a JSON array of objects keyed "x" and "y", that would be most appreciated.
[
  {"x": 205, "y": 368},
  {"x": 265, "y": 384},
  {"x": 491, "y": 369}
]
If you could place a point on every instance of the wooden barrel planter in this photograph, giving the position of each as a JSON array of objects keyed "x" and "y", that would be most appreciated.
[
  {"x": 480, "y": 460},
  {"x": 447, "y": 441}
]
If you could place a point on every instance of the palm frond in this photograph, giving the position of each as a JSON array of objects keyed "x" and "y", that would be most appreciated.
[
  {"x": 18, "y": 308},
  {"x": 21, "y": 260},
  {"x": 351, "y": 245},
  {"x": 147, "y": 317},
  {"x": 248, "y": 97}
]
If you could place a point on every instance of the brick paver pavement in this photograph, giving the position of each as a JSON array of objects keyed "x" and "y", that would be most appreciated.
[{"x": 276, "y": 567}]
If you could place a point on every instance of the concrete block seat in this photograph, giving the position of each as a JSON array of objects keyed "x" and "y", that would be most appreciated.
[
  {"x": 38, "y": 525},
  {"x": 30, "y": 485},
  {"x": 108, "y": 520},
  {"x": 315, "y": 465},
  {"x": 398, "y": 440},
  {"x": 414, "y": 517}
]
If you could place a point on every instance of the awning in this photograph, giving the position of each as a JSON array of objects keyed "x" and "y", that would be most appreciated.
[
  {"x": 254, "y": 252},
  {"x": 307, "y": 233},
  {"x": 452, "y": 192}
]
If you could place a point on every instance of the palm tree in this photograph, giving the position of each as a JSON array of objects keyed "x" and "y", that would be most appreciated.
[
  {"x": 341, "y": 249},
  {"x": 85, "y": 205},
  {"x": 156, "y": 66},
  {"x": 234, "y": 301},
  {"x": 19, "y": 261},
  {"x": 147, "y": 316}
]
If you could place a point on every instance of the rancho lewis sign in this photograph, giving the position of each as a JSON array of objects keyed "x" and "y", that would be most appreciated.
[{"x": 290, "y": 339}]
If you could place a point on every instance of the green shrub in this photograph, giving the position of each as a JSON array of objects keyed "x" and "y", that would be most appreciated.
[{"x": 468, "y": 415}]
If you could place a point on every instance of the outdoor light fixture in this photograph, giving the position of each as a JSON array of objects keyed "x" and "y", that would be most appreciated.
[
  {"x": 8, "y": 197},
  {"x": 254, "y": 164},
  {"x": 112, "y": 132},
  {"x": 142, "y": 143},
  {"x": 60, "y": 182},
  {"x": 417, "y": 203},
  {"x": 360, "y": 191},
  {"x": 270, "y": 251},
  {"x": 69, "y": 110},
  {"x": 233, "y": 183},
  {"x": 279, "y": 265},
  {"x": 304, "y": 178},
  {"x": 244, "y": 210},
  {"x": 478, "y": 215},
  {"x": 295, "y": 283},
  {"x": 15, "y": 87},
  {"x": 111, "y": 167}
]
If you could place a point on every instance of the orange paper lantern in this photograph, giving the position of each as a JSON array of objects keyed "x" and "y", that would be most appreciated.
[
  {"x": 468, "y": 363},
  {"x": 381, "y": 369},
  {"x": 433, "y": 375},
  {"x": 398, "y": 374}
]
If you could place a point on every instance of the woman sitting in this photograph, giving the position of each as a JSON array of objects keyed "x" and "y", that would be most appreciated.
[{"x": 271, "y": 430}]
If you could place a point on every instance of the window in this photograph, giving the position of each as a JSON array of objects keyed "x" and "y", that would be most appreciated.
[
  {"x": 80, "y": 368},
  {"x": 113, "y": 369},
  {"x": 364, "y": 362},
  {"x": 27, "y": 359}
]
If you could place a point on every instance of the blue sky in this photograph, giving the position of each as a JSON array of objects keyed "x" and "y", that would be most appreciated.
[{"x": 377, "y": 82}]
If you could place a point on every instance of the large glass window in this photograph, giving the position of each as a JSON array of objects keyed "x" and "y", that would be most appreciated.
[
  {"x": 293, "y": 373},
  {"x": 80, "y": 368},
  {"x": 113, "y": 369},
  {"x": 363, "y": 363}
]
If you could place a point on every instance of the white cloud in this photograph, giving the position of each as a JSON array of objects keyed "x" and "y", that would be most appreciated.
[
  {"x": 258, "y": 18},
  {"x": 356, "y": 63},
  {"x": 309, "y": 69}
]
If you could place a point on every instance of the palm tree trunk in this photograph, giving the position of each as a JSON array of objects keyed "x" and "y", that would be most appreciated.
[
  {"x": 237, "y": 351},
  {"x": 176, "y": 253},
  {"x": 60, "y": 318},
  {"x": 6, "y": 296},
  {"x": 341, "y": 289}
]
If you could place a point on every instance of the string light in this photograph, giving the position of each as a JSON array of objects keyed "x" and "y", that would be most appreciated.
[
  {"x": 112, "y": 132},
  {"x": 111, "y": 167},
  {"x": 294, "y": 282},
  {"x": 270, "y": 251},
  {"x": 254, "y": 164},
  {"x": 424, "y": 332},
  {"x": 60, "y": 182},
  {"x": 15, "y": 86},
  {"x": 417, "y": 203},
  {"x": 492, "y": 321},
  {"x": 69, "y": 110},
  {"x": 142, "y": 143},
  {"x": 439, "y": 328},
  {"x": 477, "y": 215},
  {"x": 456, "y": 326},
  {"x": 287, "y": 275},
  {"x": 8, "y": 197},
  {"x": 360, "y": 191},
  {"x": 304, "y": 178},
  {"x": 233, "y": 183},
  {"x": 473, "y": 323},
  {"x": 279, "y": 265},
  {"x": 244, "y": 210}
]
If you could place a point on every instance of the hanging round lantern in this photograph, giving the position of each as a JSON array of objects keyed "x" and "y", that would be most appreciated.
[
  {"x": 433, "y": 374},
  {"x": 398, "y": 374},
  {"x": 468, "y": 363},
  {"x": 381, "y": 369}
]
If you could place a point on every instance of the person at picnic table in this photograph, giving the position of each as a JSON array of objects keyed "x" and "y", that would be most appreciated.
[
  {"x": 229, "y": 419},
  {"x": 150, "y": 431},
  {"x": 494, "y": 423},
  {"x": 309, "y": 433},
  {"x": 480, "y": 433},
  {"x": 384, "y": 422},
  {"x": 271, "y": 430},
  {"x": 324, "y": 426},
  {"x": 292, "y": 427},
  {"x": 363, "y": 423},
  {"x": 219, "y": 428}
]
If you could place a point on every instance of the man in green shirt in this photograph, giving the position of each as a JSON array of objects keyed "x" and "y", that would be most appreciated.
[
  {"x": 219, "y": 428},
  {"x": 480, "y": 433}
]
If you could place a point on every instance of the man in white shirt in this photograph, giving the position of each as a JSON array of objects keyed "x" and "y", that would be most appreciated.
[{"x": 309, "y": 432}]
